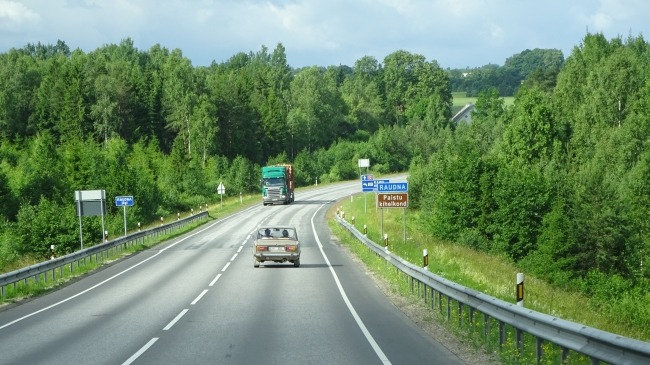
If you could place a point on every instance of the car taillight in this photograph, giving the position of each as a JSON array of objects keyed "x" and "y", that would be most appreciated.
[
  {"x": 291, "y": 248},
  {"x": 262, "y": 248}
]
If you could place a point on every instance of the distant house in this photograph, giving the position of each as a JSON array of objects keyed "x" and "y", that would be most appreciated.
[{"x": 464, "y": 115}]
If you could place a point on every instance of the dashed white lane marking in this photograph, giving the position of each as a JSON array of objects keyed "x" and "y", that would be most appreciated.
[
  {"x": 141, "y": 351},
  {"x": 182, "y": 313},
  {"x": 214, "y": 280},
  {"x": 199, "y": 297},
  {"x": 173, "y": 322},
  {"x": 109, "y": 279}
]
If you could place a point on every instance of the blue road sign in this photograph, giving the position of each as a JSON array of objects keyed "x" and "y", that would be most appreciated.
[
  {"x": 367, "y": 177},
  {"x": 393, "y": 187},
  {"x": 368, "y": 185},
  {"x": 377, "y": 182},
  {"x": 124, "y": 201}
]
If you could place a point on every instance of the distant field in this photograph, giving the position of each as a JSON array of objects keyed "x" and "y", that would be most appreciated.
[{"x": 460, "y": 100}]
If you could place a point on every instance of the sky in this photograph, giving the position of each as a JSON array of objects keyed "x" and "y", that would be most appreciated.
[{"x": 454, "y": 33}]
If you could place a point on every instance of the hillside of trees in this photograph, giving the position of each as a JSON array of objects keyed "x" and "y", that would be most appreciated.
[
  {"x": 558, "y": 183},
  {"x": 149, "y": 124},
  {"x": 542, "y": 65}
]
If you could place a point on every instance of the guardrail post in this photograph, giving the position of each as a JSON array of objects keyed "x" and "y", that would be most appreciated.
[
  {"x": 502, "y": 334},
  {"x": 448, "y": 307},
  {"x": 486, "y": 325},
  {"x": 519, "y": 338},
  {"x": 564, "y": 355}
]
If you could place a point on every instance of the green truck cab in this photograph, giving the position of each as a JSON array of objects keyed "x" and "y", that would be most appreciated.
[{"x": 277, "y": 184}]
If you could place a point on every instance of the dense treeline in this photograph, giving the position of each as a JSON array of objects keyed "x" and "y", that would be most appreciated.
[
  {"x": 558, "y": 182},
  {"x": 541, "y": 65},
  {"x": 149, "y": 124}
]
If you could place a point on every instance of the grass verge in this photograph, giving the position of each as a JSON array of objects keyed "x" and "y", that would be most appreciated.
[
  {"x": 492, "y": 275},
  {"x": 45, "y": 282}
]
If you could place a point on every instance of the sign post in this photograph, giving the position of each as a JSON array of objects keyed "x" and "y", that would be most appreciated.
[
  {"x": 124, "y": 201},
  {"x": 367, "y": 184},
  {"x": 365, "y": 162},
  {"x": 90, "y": 203},
  {"x": 221, "y": 190},
  {"x": 393, "y": 195}
]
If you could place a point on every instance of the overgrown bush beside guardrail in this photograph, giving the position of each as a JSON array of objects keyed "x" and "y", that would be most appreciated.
[
  {"x": 520, "y": 333},
  {"x": 46, "y": 271}
]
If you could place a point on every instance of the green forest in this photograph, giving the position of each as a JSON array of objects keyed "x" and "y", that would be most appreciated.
[
  {"x": 540, "y": 65},
  {"x": 556, "y": 182}
]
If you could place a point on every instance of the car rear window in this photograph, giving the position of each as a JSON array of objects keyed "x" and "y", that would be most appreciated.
[{"x": 276, "y": 233}]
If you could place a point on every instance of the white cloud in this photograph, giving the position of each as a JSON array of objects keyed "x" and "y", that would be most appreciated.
[
  {"x": 456, "y": 33},
  {"x": 13, "y": 13},
  {"x": 616, "y": 17}
]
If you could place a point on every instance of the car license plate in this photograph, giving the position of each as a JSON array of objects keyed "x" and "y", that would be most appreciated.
[{"x": 276, "y": 248}]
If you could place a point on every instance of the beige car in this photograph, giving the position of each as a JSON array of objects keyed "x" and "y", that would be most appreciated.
[{"x": 277, "y": 244}]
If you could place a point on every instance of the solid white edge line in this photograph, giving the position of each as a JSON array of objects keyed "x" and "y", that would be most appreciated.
[
  {"x": 199, "y": 297},
  {"x": 225, "y": 267},
  {"x": 140, "y": 352},
  {"x": 173, "y": 322},
  {"x": 105, "y": 281},
  {"x": 119, "y": 273},
  {"x": 362, "y": 326}
]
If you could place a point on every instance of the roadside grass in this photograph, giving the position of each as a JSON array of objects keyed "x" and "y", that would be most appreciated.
[
  {"x": 44, "y": 283},
  {"x": 492, "y": 275},
  {"x": 460, "y": 100}
]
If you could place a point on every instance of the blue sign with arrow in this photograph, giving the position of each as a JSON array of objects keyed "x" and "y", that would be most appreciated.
[{"x": 367, "y": 183}]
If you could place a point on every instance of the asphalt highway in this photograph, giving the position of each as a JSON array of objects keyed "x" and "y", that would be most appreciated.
[{"x": 197, "y": 299}]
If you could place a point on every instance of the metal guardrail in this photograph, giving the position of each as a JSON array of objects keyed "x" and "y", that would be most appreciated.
[
  {"x": 596, "y": 344},
  {"x": 42, "y": 270}
]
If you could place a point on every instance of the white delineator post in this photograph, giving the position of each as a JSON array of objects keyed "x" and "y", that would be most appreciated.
[{"x": 520, "y": 289}]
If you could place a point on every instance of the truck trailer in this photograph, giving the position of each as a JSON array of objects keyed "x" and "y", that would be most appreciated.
[{"x": 277, "y": 184}]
